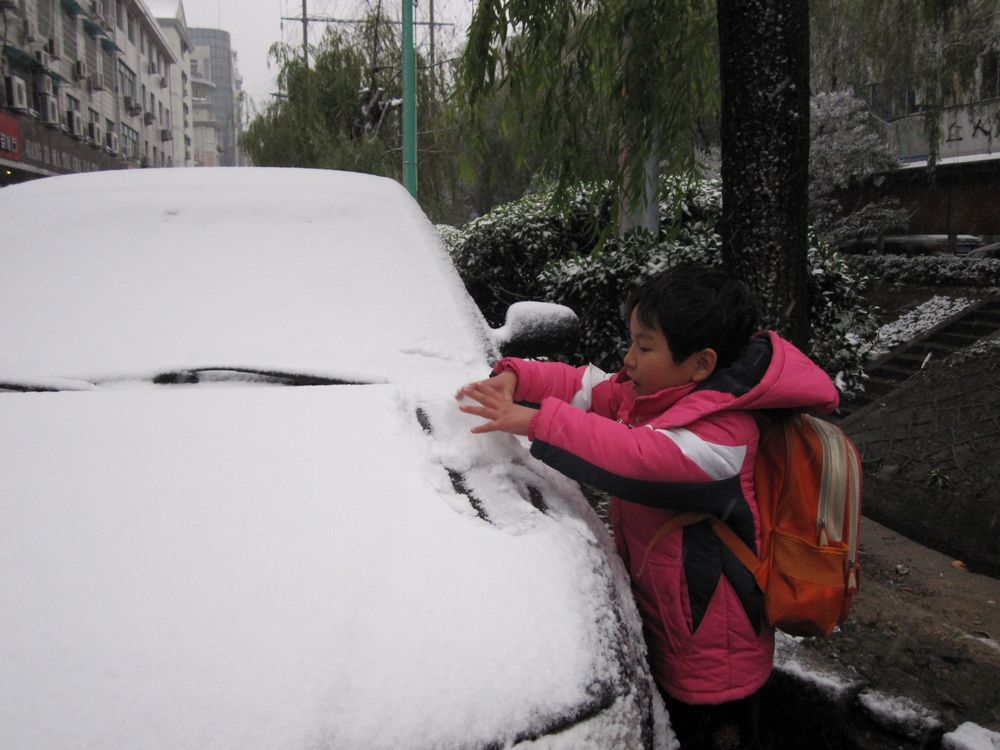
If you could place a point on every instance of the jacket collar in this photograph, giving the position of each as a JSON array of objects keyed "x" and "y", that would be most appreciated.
[{"x": 636, "y": 409}]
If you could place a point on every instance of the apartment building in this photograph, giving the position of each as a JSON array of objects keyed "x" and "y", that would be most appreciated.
[
  {"x": 218, "y": 99},
  {"x": 170, "y": 16},
  {"x": 87, "y": 85}
]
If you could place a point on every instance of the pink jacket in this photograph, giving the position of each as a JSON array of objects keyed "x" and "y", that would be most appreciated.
[{"x": 684, "y": 448}]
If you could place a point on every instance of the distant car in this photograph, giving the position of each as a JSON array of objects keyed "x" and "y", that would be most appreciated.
[
  {"x": 239, "y": 506},
  {"x": 986, "y": 251},
  {"x": 915, "y": 244}
]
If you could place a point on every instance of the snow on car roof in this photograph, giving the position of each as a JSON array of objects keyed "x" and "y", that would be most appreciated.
[{"x": 132, "y": 272}]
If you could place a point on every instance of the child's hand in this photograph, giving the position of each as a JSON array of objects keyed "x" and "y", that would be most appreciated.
[
  {"x": 503, "y": 384},
  {"x": 495, "y": 398}
]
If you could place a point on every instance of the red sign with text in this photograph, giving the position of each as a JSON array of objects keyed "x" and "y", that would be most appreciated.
[{"x": 10, "y": 138}]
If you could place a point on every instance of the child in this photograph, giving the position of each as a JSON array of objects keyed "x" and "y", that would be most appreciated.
[{"x": 674, "y": 431}]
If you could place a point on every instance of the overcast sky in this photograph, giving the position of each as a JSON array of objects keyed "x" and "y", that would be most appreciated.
[{"x": 257, "y": 24}]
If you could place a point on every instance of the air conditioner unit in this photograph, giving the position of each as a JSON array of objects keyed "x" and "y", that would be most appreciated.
[
  {"x": 149, "y": 118},
  {"x": 44, "y": 85},
  {"x": 163, "y": 82},
  {"x": 30, "y": 30},
  {"x": 75, "y": 123},
  {"x": 97, "y": 82},
  {"x": 97, "y": 8},
  {"x": 17, "y": 92},
  {"x": 43, "y": 58},
  {"x": 54, "y": 47},
  {"x": 94, "y": 134},
  {"x": 48, "y": 107},
  {"x": 80, "y": 71},
  {"x": 111, "y": 143},
  {"x": 153, "y": 70},
  {"x": 166, "y": 134}
]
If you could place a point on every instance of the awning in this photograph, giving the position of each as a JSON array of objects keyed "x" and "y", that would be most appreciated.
[
  {"x": 93, "y": 28},
  {"x": 109, "y": 45},
  {"x": 18, "y": 56},
  {"x": 72, "y": 6}
]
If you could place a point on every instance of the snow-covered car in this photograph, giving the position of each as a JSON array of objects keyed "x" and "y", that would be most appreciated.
[
  {"x": 197, "y": 554},
  {"x": 986, "y": 251}
]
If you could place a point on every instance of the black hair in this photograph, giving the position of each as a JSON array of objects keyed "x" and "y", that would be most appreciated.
[{"x": 697, "y": 307}]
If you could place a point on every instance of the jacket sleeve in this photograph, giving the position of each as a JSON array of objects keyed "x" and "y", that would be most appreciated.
[
  {"x": 587, "y": 388},
  {"x": 699, "y": 467}
]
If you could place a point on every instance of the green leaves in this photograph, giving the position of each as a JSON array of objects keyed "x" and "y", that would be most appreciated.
[{"x": 594, "y": 80}]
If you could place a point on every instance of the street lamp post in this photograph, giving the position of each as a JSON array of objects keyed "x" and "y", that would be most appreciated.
[{"x": 409, "y": 102}]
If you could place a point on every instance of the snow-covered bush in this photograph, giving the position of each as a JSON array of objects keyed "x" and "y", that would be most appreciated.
[
  {"x": 528, "y": 250},
  {"x": 500, "y": 256},
  {"x": 914, "y": 322},
  {"x": 928, "y": 270},
  {"x": 848, "y": 147}
]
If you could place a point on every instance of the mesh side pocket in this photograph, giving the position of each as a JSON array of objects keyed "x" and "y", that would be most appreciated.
[
  {"x": 823, "y": 566},
  {"x": 806, "y": 590}
]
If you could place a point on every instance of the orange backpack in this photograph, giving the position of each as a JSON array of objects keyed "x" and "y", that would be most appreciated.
[{"x": 807, "y": 477}]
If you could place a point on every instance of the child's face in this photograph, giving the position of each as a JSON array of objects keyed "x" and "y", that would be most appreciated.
[{"x": 650, "y": 363}]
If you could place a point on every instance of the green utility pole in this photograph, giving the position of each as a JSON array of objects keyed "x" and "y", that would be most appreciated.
[{"x": 409, "y": 102}]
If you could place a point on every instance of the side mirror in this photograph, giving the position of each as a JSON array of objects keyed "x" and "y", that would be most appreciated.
[{"x": 537, "y": 329}]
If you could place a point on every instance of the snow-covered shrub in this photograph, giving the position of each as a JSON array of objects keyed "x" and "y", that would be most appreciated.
[
  {"x": 528, "y": 250},
  {"x": 500, "y": 256},
  {"x": 928, "y": 270},
  {"x": 918, "y": 320},
  {"x": 848, "y": 147}
]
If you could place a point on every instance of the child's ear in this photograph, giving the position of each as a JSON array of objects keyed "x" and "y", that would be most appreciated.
[{"x": 704, "y": 364}]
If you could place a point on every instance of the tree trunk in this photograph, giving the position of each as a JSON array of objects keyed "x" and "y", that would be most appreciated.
[{"x": 764, "y": 69}]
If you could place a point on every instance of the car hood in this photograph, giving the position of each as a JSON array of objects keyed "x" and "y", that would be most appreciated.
[{"x": 292, "y": 567}]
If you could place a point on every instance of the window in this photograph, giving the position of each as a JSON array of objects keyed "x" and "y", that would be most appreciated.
[
  {"x": 161, "y": 113},
  {"x": 131, "y": 28},
  {"x": 990, "y": 86},
  {"x": 120, "y": 16},
  {"x": 70, "y": 24},
  {"x": 73, "y": 114},
  {"x": 130, "y": 142},
  {"x": 126, "y": 81}
]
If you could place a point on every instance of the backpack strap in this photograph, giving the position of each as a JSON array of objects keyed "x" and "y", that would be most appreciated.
[
  {"x": 726, "y": 535},
  {"x": 677, "y": 522}
]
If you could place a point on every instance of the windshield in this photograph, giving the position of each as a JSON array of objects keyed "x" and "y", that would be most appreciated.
[{"x": 332, "y": 275}]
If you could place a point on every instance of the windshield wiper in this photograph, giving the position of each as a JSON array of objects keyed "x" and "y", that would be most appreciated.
[
  {"x": 45, "y": 386},
  {"x": 245, "y": 375}
]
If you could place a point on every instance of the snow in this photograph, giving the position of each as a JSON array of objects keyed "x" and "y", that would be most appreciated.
[
  {"x": 789, "y": 658},
  {"x": 903, "y": 715},
  {"x": 969, "y": 736},
  {"x": 232, "y": 565},
  {"x": 526, "y": 317},
  {"x": 917, "y": 321},
  {"x": 266, "y": 269}
]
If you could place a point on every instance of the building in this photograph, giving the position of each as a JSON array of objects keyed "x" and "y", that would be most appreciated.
[
  {"x": 170, "y": 15},
  {"x": 87, "y": 85},
  {"x": 218, "y": 99}
]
